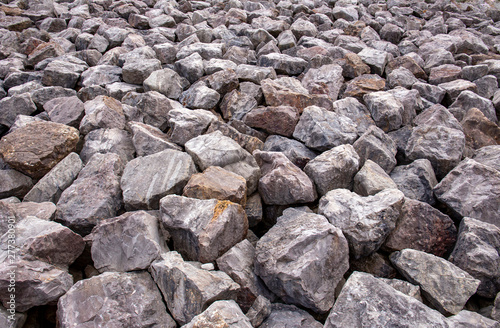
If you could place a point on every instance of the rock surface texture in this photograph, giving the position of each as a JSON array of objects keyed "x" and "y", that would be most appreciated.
[{"x": 250, "y": 163}]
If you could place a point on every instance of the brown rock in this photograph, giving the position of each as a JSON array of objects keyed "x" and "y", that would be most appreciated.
[
  {"x": 15, "y": 23},
  {"x": 444, "y": 73},
  {"x": 423, "y": 228},
  {"x": 408, "y": 63},
  {"x": 479, "y": 130},
  {"x": 274, "y": 120},
  {"x": 353, "y": 66},
  {"x": 44, "y": 51},
  {"x": 364, "y": 84},
  {"x": 217, "y": 183},
  {"x": 38, "y": 147}
]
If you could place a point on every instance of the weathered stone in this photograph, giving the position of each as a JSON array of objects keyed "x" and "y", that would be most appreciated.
[
  {"x": 296, "y": 274},
  {"x": 199, "y": 96},
  {"x": 149, "y": 140},
  {"x": 423, "y": 228},
  {"x": 455, "y": 88},
  {"x": 15, "y": 105},
  {"x": 60, "y": 177},
  {"x": 187, "y": 290},
  {"x": 44, "y": 211},
  {"x": 375, "y": 145},
  {"x": 63, "y": 73},
  {"x": 186, "y": 124},
  {"x": 283, "y": 64},
  {"x": 136, "y": 71},
  {"x": 365, "y": 221},
  {"x": 353, "y": 66},
  {"x": 14, "y": 183},
  {"x": 495, "y": 314},
  {"x": 376, "y": 59},
  {"x": 391, "y": 33},
  {"x": 489, "y": 155},
  {"x": 335, "y": 168},
  {"x": 165, "y": 81},
  {"x": 10, "y": 318},
  {"x": 248, "y": 142},
  {"x": 444, "y": 73},
  {"x": 364, "y": 84},
  {"x": 467, "y": 100},
  {"x": 147, "y": 179},
  {"x": 190, "y": 67},
  {"x": 260, "y": 311},
  {"x": 356, "y": 111},
  {"x": 43, "y": 51},
  {"x": 102, "y": 112},
  {"x": 238, "y": 263},
  {"x": 368, "y": 301},
  {"x": 401, "y": 77},
  {"x": 479, "y": 130},
  {"x": 143, "y": 243},
  {"x": 202, "y": 230},
  {"x": 94, "y": 196},
  {"x": 432, "y": 93},
  {"x": 416, "y": 180},
  {"x": 217, "y": 183},
  {"x": 445, "y": 285},
  {"x": 101, "y": 75},
  {"x": 282, "y": 182},
  {"x": 236, "y": 104},
  {"x": 215, "y": 149},
  {"x": 107, "y": 299},
  {"x": 472, "y": 319},
  {"x": 108, "y": 141},
  {"x": 65, "y": 110},
  {"x": 386, "y": 110},
  {"x": 285, "y": 315},
  {"x": 38, "y": 147},
  {"x": 223, "y": 313},
  {"x": 437, "y": 115},
  {"x": 404, "y": 287},
  {"x": 321, "y": 129},
  {"x": 223, "y": 81},
  {"x": 37, "y": 283},
  {"x": 274, "y": 120},
  {"x": 371, "y": 179}
]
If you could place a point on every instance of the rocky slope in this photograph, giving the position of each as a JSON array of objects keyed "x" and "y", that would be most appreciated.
[{"x": 318, "y": 163}]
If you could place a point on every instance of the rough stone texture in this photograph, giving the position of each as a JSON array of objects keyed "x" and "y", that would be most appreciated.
[
  {"x": 479, "y": 130},
  {"x": 375, "y": 145},
  {"x": 107, "y": 299},
  {"x": 445, "y": 285},
  {"x": 248, "y": 142},
  {"x": 36, "y": 148},
  {"x": 416, "y": 180},
  {"x": 489, "y": 155},
  {"x": 467, "y": 100},
  {"x": 386, "y": 110},
  {"x": 284, "y": 315},
  {"x": 24, "y": 210},
  {"x": 14, "y": 183},
  {"x": 274, "y": 120},
  {"x": 283, "y": 183},
  {"x": 202, "y": 230},
  {"x": 221, "y": 313},
  {"x": 371, "y": 179},
  {"x": 423, "y": 228},
  {"x": 102, "y": 112},
  {"x": 15, "y": 105},
  {"x": 236, "y": 104},
  {"x": 187, "y": 290},
  {"x": 108, "y": 141},
  {"x": 321, "y": 129},
  {"x": 364, "y": 84},
  {"x": 65, "y": 110},
  {"x": 185, "y": 124},
  {"x": 471, "y": 189},
  {"x": 326, "y": 79},
  {"x": 472, "y": 319},
  {"x": 477, "y": 251},
  {"x": 283, "y": 64},
  {"x": 365, "y": 221},
  {"x": 199, "y": 96},
  {"x": 356, "y": 111},
  {"x": 147, "y": 179},
  {"x": 217, "y": 183},
  {"x": 149, "y": 140},
  {"x": 95, "y": 195},
  {"x": 368, "y": 301},
  {"x": 335, "y": 168},
  {"x": 287, "y": 259},
  {"x": 166, "y": 82},
  {"x": 404, "y": 287},
  {"x": 294, "y": 150},
  {"x": 215, "y": 149},
  {"x": 260, "y": 311},
  {"x": 37, "y": 283}
]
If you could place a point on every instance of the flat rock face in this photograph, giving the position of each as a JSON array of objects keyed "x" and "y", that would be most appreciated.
[
  {"x": 149, "y": 140},
  {"x": 324, "y": 80},
  {"x": 143, "y": 244},
  {"x": 14, "y": 183},
  {"x": 108, "y": 141},
  {"x": 147, "y": 179},
  {"x": 365, "y": 221},
  {"x": 186, "y": 124},
  {"x": 472, "y": 190},
  {"x": 289, "y": 316},
  {"x": 202, "y": 230},
  {"x": 106, "y": 299},
  {"x": 416, "y": 180},
  {"x": 294, "y": 150},
  {"x": 368, "y": 301},
  {"x": 445, "y": 285},
  {"x": 188, "y": 290},
  {"x": 279, "y": 120},
  {"x": 375, "y": 145},
  {"x": 372, "y": 179},
  {"x": 302, "y": 259},
  {"x": 221, "y": 313},
  {"x": 38, "y": 147},
  {"x": 477, "y": 252}
]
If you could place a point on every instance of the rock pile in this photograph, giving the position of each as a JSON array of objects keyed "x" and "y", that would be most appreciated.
[{"x": 249, "y": 163}]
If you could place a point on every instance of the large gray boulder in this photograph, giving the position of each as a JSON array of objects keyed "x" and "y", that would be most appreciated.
[
  {"x": 285, "y": 315},
  {"x": 224, "y": 313},
  {"x": 366, "y": 301},
  {"x": 188, "y": 290},
  {"x": 147, "y": 179},
  {"x": 149, "y": 140},
  {"x": 443, "y": 284},
  {"x": 114, "y": 299},
  {"x": 377, "y": 146},
  {"x": 326, "y": 79},
  {"x": 186, "y": 124},
  {"x": 108, "y": 141},
  {"x": 302, "y": 259},
  {"x": 128, "y": 242},
  {"x": 416, "y": 180},
  {"x": 365, "y": 221},
  {"x": 203, "y": 229}
]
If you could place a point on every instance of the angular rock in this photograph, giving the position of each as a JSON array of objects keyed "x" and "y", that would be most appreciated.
[
  {"x": 437, "y": 115},
  {"x": 108, "y": 141},
  {"x": 353, "y": 66},
  {"x": 283, "y": 64},
  {"x": 60, "y": 177},
  {"x": 365, "y": 221},
  {"x": 477, "y": 251},
  {"x": 455, "y": 88},
  {"x": 376, "y": 59},
  {"x": 224, "y": 313},
  {"x": 249, "y": 143},
  {"x": 364, "y": 84},
  {"x": 356, "y": 111},
  {"x": 467, "y": 100},
  {"x": 285, "y": 315},
  {"x": 202, "y": 230},
  {"x": 294, "y": 150},
  {"x": 94, "y": 196},
  {"x": 199, "y": 96},
  {"x": 274, "y": 120},
  {"x": 321, "y": 129},
  {"x": 260, "y": 311},
  {"x": 479, "y": 130},
  {"x": 63, "y": 73},
  {"x": 471, "y": 319},
  {"x": 401, "y": 77},
  {"x": 187, "y": 290},
  {"x": 102, "y": 112},
  {"x": 65, "y": 110},
  {"x": 190, "y": 67},
  {"x": 404, "y": 287},
  {"x": 186, "y": 124},
  {"x": 371, "y": 179},
  {"x": 15, "y": 105},
  {"x": 489, "y": 156},
  {"x": 215, "y": 149},
  {"x": 368, "y": 301},
  {"x": 444, "y": 73},
  {"x": 335, "y": 168},
  {"x": 149, "y": 140},
  {"x": 416, "y": 180},
  {"x": 236, "y": 104},
  {"x": 147, "y": 179},
  {"x": 297, "y": 273},
  {"x": 36, "y": 148},
  {"x": 223, "y": 81},
  {"x": 445, "y": 285},
  {"x": 217, "y": 183},
  {"x": 386, "y": 110},
  {"x": 14, "y": 183},
  {"x": 375, "y": 145},
  {"x": 136, "y": 71},
  {"x": 44, "y": 211},
  {"x": 432, "y": 93},
  {"x": 107, "y": 299},
  {"x": 283, "y": 183},
  {"x": 101, "y": 75},
  {"x": 37, "y": 283},
  {"x": 166, "y": 82}
]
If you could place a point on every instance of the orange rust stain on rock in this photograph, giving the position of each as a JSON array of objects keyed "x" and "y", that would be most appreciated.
[{"x": 219, "y": 208}]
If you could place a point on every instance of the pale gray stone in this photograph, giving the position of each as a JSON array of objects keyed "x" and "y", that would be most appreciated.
[
  {"x": 104, "y": 141},
  {"x": 469, "y": 319},
  {"x": 284, "y": 315},
  {"x": 356, "y": 111},
  {"x": 102, "y": 112},
  {"x": 149, "y": 140},
  {"x": 225, "y": 313},
  {"x": 186, "y": 124},
  {"x": 416, "y": 180},
  {"x": 326, "y": 79},
  {"x": 371, "y": 179},
  {"x": 377, "y": 146},
  {"x": 386, "y": 110},
  {"x": 165, "y": 81}
]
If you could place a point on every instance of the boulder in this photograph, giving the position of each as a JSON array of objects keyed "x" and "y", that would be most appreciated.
[
  {"x": 294, "y": 150},
  {"x": 225, "y": 313},
  {"x": 371, "y": 179},
  {"x": 199, "y": 96},
  {"x": 14, "y": 183},
  {"x": 283, "y": 64},
  {"x": 326, "y": 79},
  {"x": 356, "y": 111},
  {"x": 280, "y": 120},
  {"x": 102, "y": 112},
  {"x": 286, "y": 315},
  {"x": 21, "y": 104},
  {"x": 185, "y": 124},
  {"x": 416, "y": 180},
  {"x": 386, "y": 110},
  {"x": 108, "y": 141},
  {"x": 165, "y": 81},
  {"x": 377, "y": 146},
  {"x": 479, "y": 130},
  {"x": 149, "y": 140},
  {"x": 65, "y": 110},
  {"x": 489, "y": 155}
]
